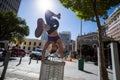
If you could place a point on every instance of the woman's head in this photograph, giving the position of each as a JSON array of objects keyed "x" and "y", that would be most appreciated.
[{"x": 54, "y": 48}]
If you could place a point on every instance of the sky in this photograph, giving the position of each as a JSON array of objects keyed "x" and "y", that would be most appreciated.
[{"x": 31, "y": 10}]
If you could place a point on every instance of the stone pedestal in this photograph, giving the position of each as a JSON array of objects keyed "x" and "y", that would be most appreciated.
[{"x": 52, "y": 70}]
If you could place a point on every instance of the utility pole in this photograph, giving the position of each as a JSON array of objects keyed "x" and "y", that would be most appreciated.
[
  {"x": 81, "y": 28},
  {"x": 81, "y": 39},
  {"x": 81, "y": 60}
]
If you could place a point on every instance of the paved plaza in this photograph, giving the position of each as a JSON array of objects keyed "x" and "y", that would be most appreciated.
[{"x": 31, "y": 72}]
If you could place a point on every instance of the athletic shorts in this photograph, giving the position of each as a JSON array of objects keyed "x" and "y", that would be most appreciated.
[{"x": 53, "y": 39}]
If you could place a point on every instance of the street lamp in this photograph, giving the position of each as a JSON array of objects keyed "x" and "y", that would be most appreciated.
[{"x": 81, "y": 38}]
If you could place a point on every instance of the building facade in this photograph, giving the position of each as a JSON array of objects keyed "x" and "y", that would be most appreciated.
[
  {"x": 66, "y": 38},
  {"x": 31, "y": 44},
  {"x": 72, "y": 45},
  {"x": 112, "y": 25},
  {"x": 90, "y": 39},
  {"x": 7, "y": 5}
]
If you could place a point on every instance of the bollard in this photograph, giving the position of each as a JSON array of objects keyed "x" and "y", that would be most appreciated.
[
  {"x": 7, "y": 57},
  {"x": 81, "y": 64}
]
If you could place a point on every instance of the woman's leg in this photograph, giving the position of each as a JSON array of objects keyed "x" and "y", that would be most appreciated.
[
  {"x": 44, "y": 49},
  {"x": 60, "y": 47}
]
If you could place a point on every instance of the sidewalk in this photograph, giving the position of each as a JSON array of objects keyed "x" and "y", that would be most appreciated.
[
  {"x": 17, "y": 73},
  {"x": 31, "y": 72},
  {"x": 29, "y": 76}
]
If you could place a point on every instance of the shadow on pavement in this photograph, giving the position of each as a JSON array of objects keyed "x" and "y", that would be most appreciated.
[
  {"x": 3, "y": 58},
  {"x": 89, "y": 72}
]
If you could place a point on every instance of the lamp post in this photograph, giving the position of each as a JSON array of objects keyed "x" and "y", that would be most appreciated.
[
  {"x": 81, "y": 28},
  {"x": 81, "y": 39},
  {"x": 81, "y": 60}
]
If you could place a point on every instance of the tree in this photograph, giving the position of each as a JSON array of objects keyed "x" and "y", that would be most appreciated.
[
  {"x": 93, "y": 10},
  {"x": 12, "y": 28}
]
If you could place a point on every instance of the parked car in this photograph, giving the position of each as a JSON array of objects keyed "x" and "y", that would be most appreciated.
[
  {"x": 27, "y": 52},
  {"x": 18, "y": 52},
  {"x": 1, "y": 50},
  {"x": 36, "y": 54},
  {"x": 4, "y": 53}
]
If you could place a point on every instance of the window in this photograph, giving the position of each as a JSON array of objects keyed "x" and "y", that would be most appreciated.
[
  {"x": 28, "y": 48},
  {"x": 33, "y": 48},
  {"x": 34, "y": 43},
  {"x": 24, "y": 43},
  {"x": 24, "y": 47},
  {"x": 20, "y": 42},
  {"x": 29, "y": 43},
  {"x": 40, "y": 44}
]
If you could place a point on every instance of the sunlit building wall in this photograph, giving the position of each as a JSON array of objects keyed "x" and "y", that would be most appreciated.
[
  {"x": 90, "y": 39},
  {"x": 112, "y": 25},
  {"x": 66, "y": 38},
  {"x": 31, "y": 44}
]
